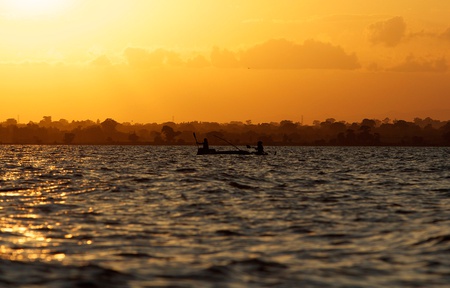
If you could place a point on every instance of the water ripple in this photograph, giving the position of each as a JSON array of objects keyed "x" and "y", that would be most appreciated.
[{"x": 135, "y": 216}]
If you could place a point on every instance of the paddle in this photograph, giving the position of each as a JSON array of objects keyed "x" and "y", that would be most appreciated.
[
  {"x": 196, "y": 142},
  {"x": 228, "y": 142}
]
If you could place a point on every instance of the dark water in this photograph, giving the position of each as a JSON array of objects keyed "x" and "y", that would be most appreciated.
[{"x": 133, "y": 216}]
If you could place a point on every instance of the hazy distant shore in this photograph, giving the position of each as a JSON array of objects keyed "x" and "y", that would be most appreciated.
[{"x": 368, "y": 132}]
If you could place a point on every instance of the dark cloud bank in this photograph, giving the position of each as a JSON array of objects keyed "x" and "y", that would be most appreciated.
[
  {"x": 389, "y": 32},
  {"x": 273, "y": 54}
]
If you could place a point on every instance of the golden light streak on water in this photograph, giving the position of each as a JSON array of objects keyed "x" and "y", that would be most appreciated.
[{"x": 29, "y": 243}]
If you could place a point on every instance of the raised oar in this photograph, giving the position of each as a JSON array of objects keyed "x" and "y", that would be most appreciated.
[{"x": 196, "y": 142}]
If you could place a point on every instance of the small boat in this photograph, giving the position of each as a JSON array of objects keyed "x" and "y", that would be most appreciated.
[
  {"x": 202, "y": 151},
  {"x": 205, "y": 150}
]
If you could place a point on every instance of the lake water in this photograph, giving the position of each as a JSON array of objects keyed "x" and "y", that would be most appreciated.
[{"x": 138, "y": 216}]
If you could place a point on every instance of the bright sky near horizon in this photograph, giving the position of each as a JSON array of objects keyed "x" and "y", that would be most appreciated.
[{"x": 224, "y": 60}]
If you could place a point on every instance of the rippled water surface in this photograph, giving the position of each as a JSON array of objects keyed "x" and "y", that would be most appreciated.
[{"x": 135, "y": 216}]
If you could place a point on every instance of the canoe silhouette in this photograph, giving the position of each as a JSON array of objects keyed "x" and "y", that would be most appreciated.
[{"x": 202, "y": 151}]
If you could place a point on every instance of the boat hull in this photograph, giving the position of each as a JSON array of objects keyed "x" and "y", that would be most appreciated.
[{"x": 202, "y": 151}]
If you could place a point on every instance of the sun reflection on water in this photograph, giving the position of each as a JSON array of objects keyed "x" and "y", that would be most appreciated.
[
  {"x": 27, "y": 242},
  {"x": 27, "y": 230},
  {"x": 23, "y": 232}
]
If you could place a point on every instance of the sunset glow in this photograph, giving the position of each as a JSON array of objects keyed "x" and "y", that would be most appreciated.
[
  {"x": 155, "y": 61},
  {"x": 32, "y": 8}
]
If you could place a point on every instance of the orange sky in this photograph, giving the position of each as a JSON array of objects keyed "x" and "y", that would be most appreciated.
[{"x": 224, "y": 60}]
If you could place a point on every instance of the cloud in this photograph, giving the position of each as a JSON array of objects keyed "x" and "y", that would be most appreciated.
[
  {"x": 224, "y": 58},
  {"x": 273, "y": 54},
  {"x": 142, "y": 58},
  {"x": 421, "y": 35},
  {"x": 446, "y": 34},
  {"x": 412, "y": 64},
  {"x": 389, "y": 32},
  {"x": 172, "y": 58},
  {"x": 198, "y": 61},
  {"x": 283, "y": 54},
  {"x": 102, "y": 60}
]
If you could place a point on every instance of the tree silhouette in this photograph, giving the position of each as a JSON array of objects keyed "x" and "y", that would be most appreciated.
[
  {"x": 68, "y": 138},
  {"x": 109, "y": 125},
  {"x": 133, "y": 137},
  {"x": 169, "y": 133},
  {"x": 420, "y": 132},
  {"x": 446, "y": 133}
]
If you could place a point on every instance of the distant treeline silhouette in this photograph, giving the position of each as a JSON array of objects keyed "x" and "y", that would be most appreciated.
[{"x": 420, "y": 132}]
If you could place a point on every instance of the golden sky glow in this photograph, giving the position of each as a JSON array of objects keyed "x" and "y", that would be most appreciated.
[
  {"x": 149, "y": 61},
  {"x": 32, "y": 8}
]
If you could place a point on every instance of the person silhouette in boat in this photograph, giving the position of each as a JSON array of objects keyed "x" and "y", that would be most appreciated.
[
  {"x": 205, "y": 145},
  {"x": 260, "y": 148}
]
